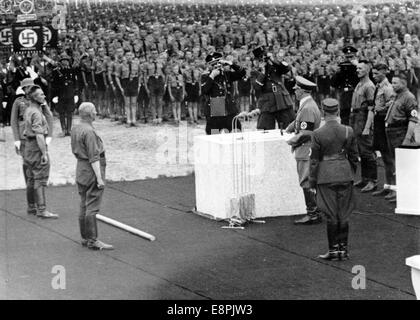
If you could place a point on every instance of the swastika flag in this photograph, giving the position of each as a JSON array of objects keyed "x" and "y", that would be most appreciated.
[{"x": 27, "y": 38}]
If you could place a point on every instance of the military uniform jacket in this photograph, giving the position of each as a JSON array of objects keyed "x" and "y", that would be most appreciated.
[
  {"x": 38, "y": 120},
  {"x": 222, "y": 85},
  {"x": 334, "y": 154},
  {"x": 64, "y": 83},
  {"x": 346, "y": 78},
  {"x": 308, "y": 119},
  {"x": 17, "y": 117}
]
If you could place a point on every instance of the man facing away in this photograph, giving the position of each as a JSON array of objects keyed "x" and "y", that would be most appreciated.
[{"x": 334, "y": 158}]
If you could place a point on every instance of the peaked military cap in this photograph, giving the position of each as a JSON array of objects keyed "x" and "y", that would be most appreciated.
[
  {"x": 213, "y": 57},
  {"x": 330, "y": 105},
  {"x": 304, "y": 84},
  {"x": 349, "y": 50}
]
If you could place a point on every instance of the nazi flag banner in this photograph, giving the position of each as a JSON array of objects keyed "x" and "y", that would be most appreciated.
[
  {"x": 50, "y": 36},
  {"x": 27, "y": 38}
]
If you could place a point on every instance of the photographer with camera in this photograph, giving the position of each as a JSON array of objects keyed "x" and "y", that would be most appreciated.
[
  {"x": 274, "y": 102},
  {"x": 221, "y": 106}
]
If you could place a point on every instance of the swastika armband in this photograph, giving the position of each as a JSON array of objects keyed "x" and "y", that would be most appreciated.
[{"x": 304, "y": 125}]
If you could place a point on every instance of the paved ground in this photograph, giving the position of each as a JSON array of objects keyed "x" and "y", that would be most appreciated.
[{"x": 193, "y": 258}]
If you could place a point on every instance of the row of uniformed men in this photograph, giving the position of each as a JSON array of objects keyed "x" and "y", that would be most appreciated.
[{"x": 383, "y": 117}]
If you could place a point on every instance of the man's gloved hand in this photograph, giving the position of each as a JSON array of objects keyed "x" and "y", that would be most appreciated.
[
  {"x": 214, "y": 73},
  {"x": 254, "y": 113},
  {"x": 17, "y": 146},
  {"x": 243, "y": 114},
  {"x": 226, "y": 62},
  {"x": 76, "y": 99},
  {"x": 55, "y": 100},
  {"x": 48, "y": 140}
]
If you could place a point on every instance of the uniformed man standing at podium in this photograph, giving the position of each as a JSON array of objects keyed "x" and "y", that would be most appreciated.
[
  {"x": 308, "y": 119},
  {"x": 400, "y": 120},
  {"x": 333, "y": 164}
]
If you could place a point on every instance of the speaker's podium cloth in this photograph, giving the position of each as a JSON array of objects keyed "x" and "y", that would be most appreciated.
[
  {"x": 407, "y": 171},
  {"x": 268, "y": 167}
]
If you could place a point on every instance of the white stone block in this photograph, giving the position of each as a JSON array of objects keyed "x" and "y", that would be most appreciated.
[
  {"x": 414, "y": 263},
  {"x": 257, "y": 162},
  {"x": 407, "y": 171}
]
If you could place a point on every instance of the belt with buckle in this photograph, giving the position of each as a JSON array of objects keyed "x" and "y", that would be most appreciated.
[
  {"x": 337, "y": 156},
  {"x": 274, "y": 88}
]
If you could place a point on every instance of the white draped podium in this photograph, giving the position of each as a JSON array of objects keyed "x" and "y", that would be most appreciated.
[{"x": 255, "y": 162}]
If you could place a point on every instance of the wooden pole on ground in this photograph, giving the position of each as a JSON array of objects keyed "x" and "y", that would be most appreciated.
[{"x": 125, "y": 227}]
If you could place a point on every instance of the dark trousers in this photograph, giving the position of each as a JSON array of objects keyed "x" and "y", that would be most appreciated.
[
  {"x": 66, "y": 119},
  {"x": 345, "y": 106},
  {"x": 337, "y": 202},
  {"x": 380, "y": 143},
  {"x": 365, "y": 146},
  {"x": 303, "y": 174},
  {"x": 368, "y": 158},
  {"x": 143, "y": 103},
  {"x": 216, "y": 124},
  {"x": 310, "y": 202},
  {"x": 90, "y": 202},
  {"x": 267, "y": 120}
]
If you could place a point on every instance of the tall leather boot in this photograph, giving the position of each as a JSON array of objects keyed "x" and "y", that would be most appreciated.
[
  {"x": 343, "y": 241},
  {"x": 92, "y": 235},
  {"x": 30, "y": 197},
  {"x": 333, "y": 247},
  {"x": 63, "y": 123},
  {"x": 30, "y": 194},
  {"x": 69, "y": 122},
  {"x": 312, "y": 214},
  {"x": 83, "y": 233},
  {"x": 42, "y": 206}
]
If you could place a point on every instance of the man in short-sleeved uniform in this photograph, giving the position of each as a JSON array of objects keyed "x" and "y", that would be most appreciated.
[
  {"x": 362, "y": 100},
  {"x": 307, "y": 120},
  {"x": 384, "y": 95},
  {"x": 89, "y": 151},
  {"x": 17, "y": 123},
  {"x": 400, "y": 119}
]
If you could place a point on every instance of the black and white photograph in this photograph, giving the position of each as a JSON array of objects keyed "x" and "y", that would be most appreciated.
[{"x": 209, "y": 154}]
